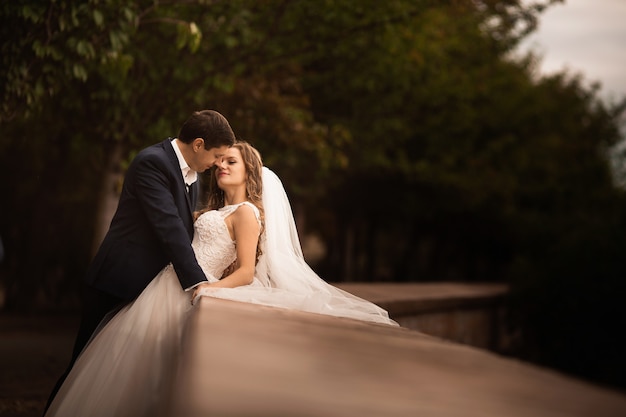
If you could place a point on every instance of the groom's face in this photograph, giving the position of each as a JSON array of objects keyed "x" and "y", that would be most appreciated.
[{"x": 206, "y": 158}]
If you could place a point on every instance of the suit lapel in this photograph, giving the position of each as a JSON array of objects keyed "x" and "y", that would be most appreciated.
[{"x": 193, "y": 195}]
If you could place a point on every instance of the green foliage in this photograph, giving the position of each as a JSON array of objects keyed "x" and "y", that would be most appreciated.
[{"x": 46, "y": 44}]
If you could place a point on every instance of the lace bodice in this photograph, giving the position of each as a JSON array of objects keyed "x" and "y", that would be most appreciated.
[{"x": 214, "y": 248}]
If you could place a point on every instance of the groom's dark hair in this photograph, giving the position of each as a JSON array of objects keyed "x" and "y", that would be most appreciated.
[{"x": 210, "y": 126}]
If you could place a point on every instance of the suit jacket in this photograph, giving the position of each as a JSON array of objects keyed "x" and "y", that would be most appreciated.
[{"x": 153, "y": 226}]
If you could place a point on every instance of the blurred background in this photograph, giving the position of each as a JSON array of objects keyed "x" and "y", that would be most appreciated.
[{"x": 418, "y": 140}]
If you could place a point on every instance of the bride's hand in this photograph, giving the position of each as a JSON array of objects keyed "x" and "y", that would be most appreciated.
[{"x": 196, "y": 292}]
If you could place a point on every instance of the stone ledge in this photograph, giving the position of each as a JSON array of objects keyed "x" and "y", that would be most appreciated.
[
  {"x": 416, "y": 298},
  {"x": 465, "y": 313},
  {"x": 249, "y": 360}
]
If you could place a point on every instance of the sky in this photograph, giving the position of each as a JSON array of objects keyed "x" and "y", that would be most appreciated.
[{"x": 584, "y": 36}]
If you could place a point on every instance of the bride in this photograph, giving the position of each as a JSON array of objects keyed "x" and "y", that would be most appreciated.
[{"x": 128, "y": 365}]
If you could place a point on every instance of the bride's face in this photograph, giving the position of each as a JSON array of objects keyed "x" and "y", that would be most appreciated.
[{"x": 231, "y": 170}]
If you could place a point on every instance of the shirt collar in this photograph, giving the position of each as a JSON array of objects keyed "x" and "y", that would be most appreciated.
[{"x": 190, "y": 176}]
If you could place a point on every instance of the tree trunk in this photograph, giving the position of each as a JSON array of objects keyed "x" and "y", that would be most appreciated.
[
  {"x": 109, "y": 195},
  {"x": 348, "y": 259},
  {"x": 371, "y": 258}
]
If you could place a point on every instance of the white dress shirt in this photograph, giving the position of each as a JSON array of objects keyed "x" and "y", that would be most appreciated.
[{"x": 189, "y": 175}]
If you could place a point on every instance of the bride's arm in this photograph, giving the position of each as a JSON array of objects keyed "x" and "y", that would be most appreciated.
[{"x": 245, "y": 231}]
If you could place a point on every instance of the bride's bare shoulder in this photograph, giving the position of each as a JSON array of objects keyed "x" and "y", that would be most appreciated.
[{"x": 246, "y": 214}]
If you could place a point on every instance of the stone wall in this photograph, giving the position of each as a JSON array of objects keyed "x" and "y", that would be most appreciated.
[
  {"x": 242, "y": 360},
  {"x": 471, "y": 314}
]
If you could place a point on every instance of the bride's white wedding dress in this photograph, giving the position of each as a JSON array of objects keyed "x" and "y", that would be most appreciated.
[{"x": 127, "y": 367}]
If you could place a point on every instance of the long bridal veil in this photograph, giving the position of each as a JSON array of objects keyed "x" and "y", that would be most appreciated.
[{"x": 285, "y": 279}]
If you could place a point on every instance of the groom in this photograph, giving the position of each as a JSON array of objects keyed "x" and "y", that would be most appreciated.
[{"x": 153, "y": 224}]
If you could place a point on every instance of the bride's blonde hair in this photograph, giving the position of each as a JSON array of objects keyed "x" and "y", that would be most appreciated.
[{"x": 254, "y": 185}]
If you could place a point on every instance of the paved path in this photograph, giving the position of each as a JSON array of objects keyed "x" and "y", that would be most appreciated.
[{"x": 33, "y": 353}]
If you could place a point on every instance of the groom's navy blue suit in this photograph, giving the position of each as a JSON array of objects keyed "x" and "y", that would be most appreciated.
[{"x": 153, "y": 226}]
